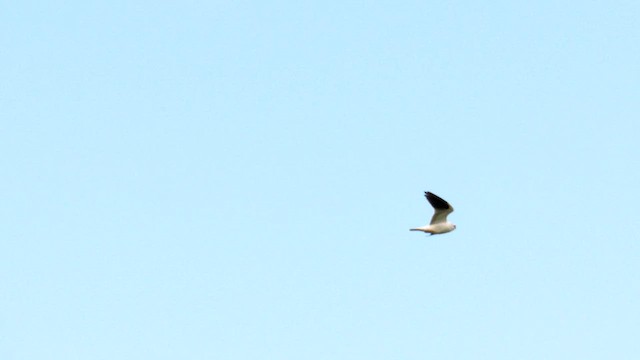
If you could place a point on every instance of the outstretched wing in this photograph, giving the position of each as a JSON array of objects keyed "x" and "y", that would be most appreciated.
[{"x": 441, "y": 207}]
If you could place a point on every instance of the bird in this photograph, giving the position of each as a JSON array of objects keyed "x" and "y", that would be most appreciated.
[{"x": 439, "y": 223}]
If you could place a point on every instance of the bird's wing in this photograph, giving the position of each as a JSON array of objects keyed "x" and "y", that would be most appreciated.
[{"x": 441, "y": 207}]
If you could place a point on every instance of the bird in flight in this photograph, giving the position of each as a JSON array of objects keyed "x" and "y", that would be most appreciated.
[{"x": 439, "y": 223}]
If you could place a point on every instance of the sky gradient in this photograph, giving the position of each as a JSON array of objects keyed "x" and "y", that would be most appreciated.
[{"x": 236, "y": 180}]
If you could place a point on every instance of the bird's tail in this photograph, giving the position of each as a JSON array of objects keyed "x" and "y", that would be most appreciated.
[{"x": 415, "y": 229}]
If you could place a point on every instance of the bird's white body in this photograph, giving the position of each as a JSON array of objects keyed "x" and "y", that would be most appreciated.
[
  {"x": 440, "y": 228},
  {"x": 439, "y": 223}
]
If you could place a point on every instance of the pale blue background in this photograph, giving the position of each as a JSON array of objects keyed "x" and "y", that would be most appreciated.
[{"x": 236, "y": 180}]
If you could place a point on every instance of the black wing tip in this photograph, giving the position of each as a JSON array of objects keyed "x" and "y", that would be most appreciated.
[{"x": 436, "y": 201}]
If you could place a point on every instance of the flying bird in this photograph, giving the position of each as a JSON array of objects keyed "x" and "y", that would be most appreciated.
[{"x": 439, "y": 223}]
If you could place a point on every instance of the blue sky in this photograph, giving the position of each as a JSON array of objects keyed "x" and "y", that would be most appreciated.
[{"x": 236, "y": 180}]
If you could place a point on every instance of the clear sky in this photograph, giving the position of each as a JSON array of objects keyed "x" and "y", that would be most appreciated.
[{"x": 236, "y": 179}]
